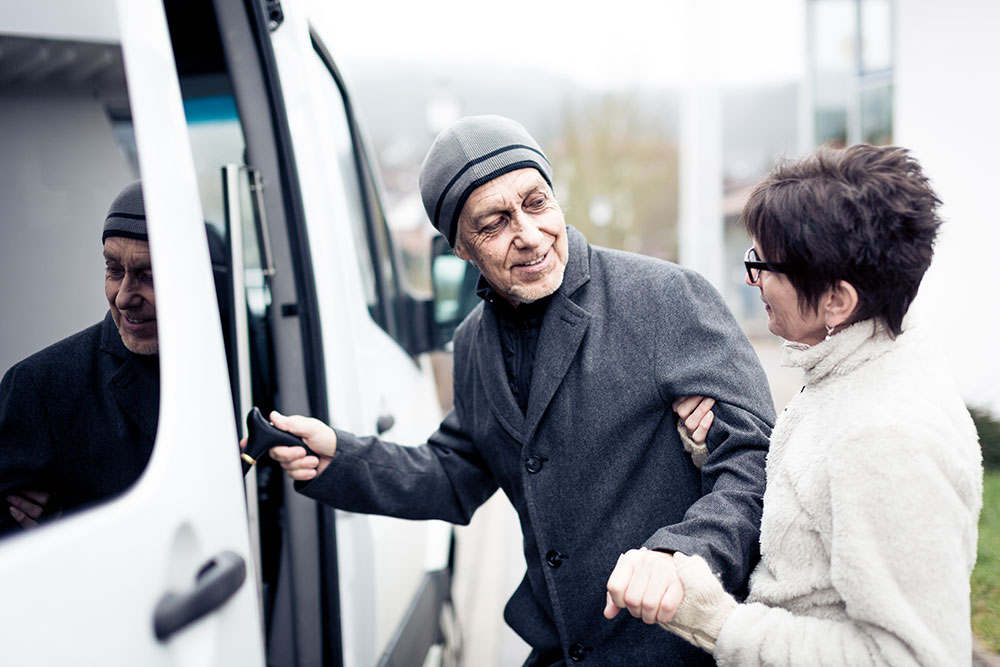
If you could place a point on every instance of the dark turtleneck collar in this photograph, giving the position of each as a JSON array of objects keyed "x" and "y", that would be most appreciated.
[{"x": 504, "y": 309}]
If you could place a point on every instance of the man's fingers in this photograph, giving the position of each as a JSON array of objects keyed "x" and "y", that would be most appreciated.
[
  {"x": 27, "y": 507},
  {"x": 301, "y": 474},
  {"x": 40, "y": 497},
  {"x": 670, "y": 602},
  {"x": 283, "y": 454},
  {"x": 23, "y": 519},
  {"x": 610, "y": 608},
  {"x": 619, "y": 581},
  {"x": 298, "y": 425},
  {"x": 638, "y": 584}
]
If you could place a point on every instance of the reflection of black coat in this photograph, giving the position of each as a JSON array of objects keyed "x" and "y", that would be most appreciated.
[
  {"x": 78, "y": 418},
  {"x": 595, "y": 466}
]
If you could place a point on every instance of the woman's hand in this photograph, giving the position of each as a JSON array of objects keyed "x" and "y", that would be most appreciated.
[{"x": 695, "y": 414}]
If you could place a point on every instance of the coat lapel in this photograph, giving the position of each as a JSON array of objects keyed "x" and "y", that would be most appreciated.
[
  {"x": 494, "y": 376},
  {"x": 562, "y": 333},
  {"x": 133, "y": 381},
  {"x": 563, "y": 330}
]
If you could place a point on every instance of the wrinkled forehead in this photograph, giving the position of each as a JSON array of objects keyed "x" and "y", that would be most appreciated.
[
  {"x": 126, "y": 251},
  {"x": 506, "y": 190}
]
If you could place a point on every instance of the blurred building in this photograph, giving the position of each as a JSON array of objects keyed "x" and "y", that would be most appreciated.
[{"x": 916, "y": 73}]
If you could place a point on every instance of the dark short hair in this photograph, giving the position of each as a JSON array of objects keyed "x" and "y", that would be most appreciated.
[{"x": 864, "y": 214}]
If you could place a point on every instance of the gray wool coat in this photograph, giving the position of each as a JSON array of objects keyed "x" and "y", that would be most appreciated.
[{"x": 595, "y": 466}]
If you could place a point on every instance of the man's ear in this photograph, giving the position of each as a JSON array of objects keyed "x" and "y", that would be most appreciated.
[
  {"x": 459, "y": 249},
  {"x": 839, "y": 303}
]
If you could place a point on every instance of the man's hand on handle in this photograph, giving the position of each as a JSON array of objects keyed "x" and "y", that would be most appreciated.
[{"x": 320, "y": 438}]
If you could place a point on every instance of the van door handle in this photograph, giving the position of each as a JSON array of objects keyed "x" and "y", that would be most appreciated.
[
  {"x": 215, "y": 583},
  {"x": 384, "y": 423}
]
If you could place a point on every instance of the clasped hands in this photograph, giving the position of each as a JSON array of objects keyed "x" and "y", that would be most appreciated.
[{"x": 645, "y": 582}]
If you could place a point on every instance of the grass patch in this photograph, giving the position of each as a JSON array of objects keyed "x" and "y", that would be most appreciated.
[{"x": 986, "y": 576}]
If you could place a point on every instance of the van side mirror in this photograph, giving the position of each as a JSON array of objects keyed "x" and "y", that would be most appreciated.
[{"x": 454, "y": 281}]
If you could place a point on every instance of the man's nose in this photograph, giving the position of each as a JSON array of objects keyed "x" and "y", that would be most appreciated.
[
  {"x": 526, "y": 231},
  {"x": 128, "y": 295}
]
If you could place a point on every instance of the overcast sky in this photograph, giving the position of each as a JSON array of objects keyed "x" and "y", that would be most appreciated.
[{"x": 616, "y": 44}]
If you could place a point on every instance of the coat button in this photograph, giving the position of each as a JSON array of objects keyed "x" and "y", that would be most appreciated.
[
  {"x": 554, "y": 558},
  {"x": 577, "y": 652},
  {"x": 533, "y": 464}
]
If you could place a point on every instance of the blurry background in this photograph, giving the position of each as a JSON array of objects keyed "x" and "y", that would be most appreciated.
[{"x": 658, "y": 117}]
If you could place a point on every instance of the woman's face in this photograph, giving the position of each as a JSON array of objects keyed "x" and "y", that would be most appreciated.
[{"x": 781, "y": 302}]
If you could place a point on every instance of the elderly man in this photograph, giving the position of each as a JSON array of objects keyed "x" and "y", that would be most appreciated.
[
  {"x": 78, "y": 419},
  {"x": 564, "y": 379}
]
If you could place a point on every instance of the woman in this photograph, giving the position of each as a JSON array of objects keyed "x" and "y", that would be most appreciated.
[{"x": 874, "y": 476}]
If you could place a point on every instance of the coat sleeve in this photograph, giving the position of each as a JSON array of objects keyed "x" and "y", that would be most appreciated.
[
  {"x": 26, "y": 443},
  {"x": 899, "y": 562},
  {"x": 445, "y": 478},
  {"x": 702, "y": 350}
]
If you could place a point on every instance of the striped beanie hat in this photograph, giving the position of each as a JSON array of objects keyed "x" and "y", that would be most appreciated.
[
  {"x": 127, "y": 215},
  {"x": 472, "y": 151}
]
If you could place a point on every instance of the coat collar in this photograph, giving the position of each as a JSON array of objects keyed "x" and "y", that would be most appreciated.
[
  {"x": 839, "y": 354},
  {"x": 563, "y": 330},
  {"x": 134, "y": 380}
]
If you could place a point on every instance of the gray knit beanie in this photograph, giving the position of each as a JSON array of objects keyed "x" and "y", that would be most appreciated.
[
  {"x": 472, "y": 151},
  {"x": 127, "y": 215}
]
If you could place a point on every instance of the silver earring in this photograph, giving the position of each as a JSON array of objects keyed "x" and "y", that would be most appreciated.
[{"x": 829, "y": 331}]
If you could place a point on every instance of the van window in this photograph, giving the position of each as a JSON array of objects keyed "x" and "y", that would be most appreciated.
[
  {"x": 368, "y": 220},
  {"x": 80, "y": 393},
  {"x": 337, "y": 132}
]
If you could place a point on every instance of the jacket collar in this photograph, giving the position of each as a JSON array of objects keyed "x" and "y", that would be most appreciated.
[
  {"x": 134, "y": 378},
  {"x": 839, "y": 354},
  {"x": 562, "y": 333}
]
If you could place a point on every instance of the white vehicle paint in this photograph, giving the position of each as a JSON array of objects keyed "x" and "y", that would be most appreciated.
[{"x": 93, "y": 95}]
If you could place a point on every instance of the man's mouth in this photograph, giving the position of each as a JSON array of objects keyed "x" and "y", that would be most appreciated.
[{"x": 537, "y": 260}]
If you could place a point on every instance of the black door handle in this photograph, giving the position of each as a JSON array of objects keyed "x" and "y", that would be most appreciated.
[
  {"x": 216, "y": 582},
  {"x": 384, "y": 423}
]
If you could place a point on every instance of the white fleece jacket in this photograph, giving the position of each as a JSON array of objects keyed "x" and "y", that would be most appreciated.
[{"x": 868, "y": 537}]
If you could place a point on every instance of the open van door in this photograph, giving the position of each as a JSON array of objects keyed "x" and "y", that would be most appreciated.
[{"x": 162, "y": 573}]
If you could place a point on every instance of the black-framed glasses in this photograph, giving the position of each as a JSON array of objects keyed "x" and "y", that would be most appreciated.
[{"x": 754, "y": 265}]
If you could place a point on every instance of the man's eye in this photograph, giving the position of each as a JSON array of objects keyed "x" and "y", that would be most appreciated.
[
  {"x": 494, "y": 226},
  {"x": 115, "y": 272},
  {"x": 146, "y": 278},
  {"x": 537, "y": 202}
]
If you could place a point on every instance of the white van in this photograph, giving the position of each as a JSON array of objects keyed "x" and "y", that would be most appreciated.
[{"x": 232, "y": 113}]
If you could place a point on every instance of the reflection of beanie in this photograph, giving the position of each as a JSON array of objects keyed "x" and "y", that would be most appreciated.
[
  {"x": 127, "y": 215},
  {"x": 473, "y": 151}
]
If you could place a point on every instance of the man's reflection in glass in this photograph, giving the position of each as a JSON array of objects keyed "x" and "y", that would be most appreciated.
[{"x": 78, "y": 419}]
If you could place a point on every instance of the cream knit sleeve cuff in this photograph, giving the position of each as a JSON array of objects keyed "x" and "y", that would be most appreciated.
[
  {"x": 706, "y": 605},
  {"x": 698, "y": 451}
]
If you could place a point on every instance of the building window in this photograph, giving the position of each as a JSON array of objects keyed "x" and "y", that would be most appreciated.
[{"x": 851, "y": 70}]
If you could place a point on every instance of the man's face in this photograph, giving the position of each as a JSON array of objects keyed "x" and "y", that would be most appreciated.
[
  {"x": 513, "y": 229},
  {"x": 128, "y": 284}
]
